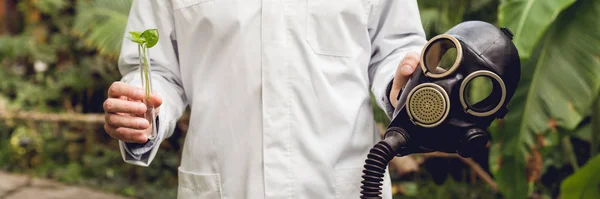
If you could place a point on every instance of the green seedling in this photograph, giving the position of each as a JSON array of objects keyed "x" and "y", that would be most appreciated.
[{"x": 145, "y": 40}]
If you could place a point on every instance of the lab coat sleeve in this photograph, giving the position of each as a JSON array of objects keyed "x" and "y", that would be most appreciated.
[
  {"x": 395, "y": 29},
  {"x": 166, "y": 81}
]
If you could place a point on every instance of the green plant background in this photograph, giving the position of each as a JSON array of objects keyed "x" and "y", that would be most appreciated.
[{"x": 59, "y": 56}]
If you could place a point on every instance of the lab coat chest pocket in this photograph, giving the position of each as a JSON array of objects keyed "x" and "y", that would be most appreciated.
[
  {"x": 347, "y": 183},
  {"x": 179, "y": 4},
  {"x": 198, "y": 186},
  {"x": 336, "y": 27}
]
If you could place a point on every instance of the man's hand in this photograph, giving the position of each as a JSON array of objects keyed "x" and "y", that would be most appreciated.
[
  {"x": 403, "y": 74},
  {"x": 124, "y": 113}
]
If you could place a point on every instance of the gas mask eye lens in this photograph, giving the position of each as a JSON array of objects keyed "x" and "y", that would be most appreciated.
[
  {"x": 441, "y": 56},
  {"x": 447, "y": 60},
  {"x": 478, "y": 89},
  {"x": 482, "y": 93}
]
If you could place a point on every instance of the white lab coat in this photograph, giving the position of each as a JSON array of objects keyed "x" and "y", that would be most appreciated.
[{"x": 278, "y": 90}]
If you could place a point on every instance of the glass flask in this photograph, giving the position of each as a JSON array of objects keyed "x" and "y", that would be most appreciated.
[{"x": 146, "y": 77}]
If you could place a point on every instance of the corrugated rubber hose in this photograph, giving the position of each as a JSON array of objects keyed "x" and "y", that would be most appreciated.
[{"x": 377, "y": 160}]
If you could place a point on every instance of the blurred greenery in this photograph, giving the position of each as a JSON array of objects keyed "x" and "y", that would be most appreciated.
[
  {"x": 584, "y": 183},
  {"x": 59, "y": 56},
  {"x": 559, "y": 86}
]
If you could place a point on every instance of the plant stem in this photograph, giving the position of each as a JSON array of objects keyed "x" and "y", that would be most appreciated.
[
  {"x": 141, "y": 62},
  {"x": 568, "y": 149},
  {"x": 51, "y": 117},
  {"x": 146, "y": 71},
  {"x": 471, "y": 163}
]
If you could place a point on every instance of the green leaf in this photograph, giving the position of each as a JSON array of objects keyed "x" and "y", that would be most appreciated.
[
  {"x": 584, "y": 132},
  {"x": 50, "y": 6},
  {"x": 410, "y": 188},
  {"x": 428, "y": 18},
  {"x": 509, "y": 171},
  {"x": 584, "y": 183},
  {"x": 439, "y": 16},
  {"x": 136, "y": 37},
  {"x": 595, "y": 127},
  {"x": 529, "y": 19},
  {"x": 101, "y": 24},
  {"x": 476, "y": 5},
  {"x": 557, "y": 88},
  {"x": 150, "y": 36}
]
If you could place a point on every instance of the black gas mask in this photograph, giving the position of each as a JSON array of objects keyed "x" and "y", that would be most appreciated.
[{"x": 436, "y": 110}]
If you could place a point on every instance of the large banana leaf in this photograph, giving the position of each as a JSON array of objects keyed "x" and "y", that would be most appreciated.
[
  {"x": 585, "y": 183},
  {"x": 557, "y": 88},
  {"x": 101, "y": 24},
  {"x": 529, "y": 19}
]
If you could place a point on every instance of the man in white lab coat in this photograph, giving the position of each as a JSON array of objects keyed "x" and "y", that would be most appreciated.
[{"x": 278, "y": 91}]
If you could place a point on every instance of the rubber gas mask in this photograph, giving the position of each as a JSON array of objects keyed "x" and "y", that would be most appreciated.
[
  {"x": 436, "y": 110},
  {"x": 436, "y": 107}
]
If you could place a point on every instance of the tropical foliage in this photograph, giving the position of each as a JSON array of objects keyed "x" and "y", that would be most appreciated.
[
  {"x": 59, "y": 57},
  {"x": 559, "y": 46}
]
